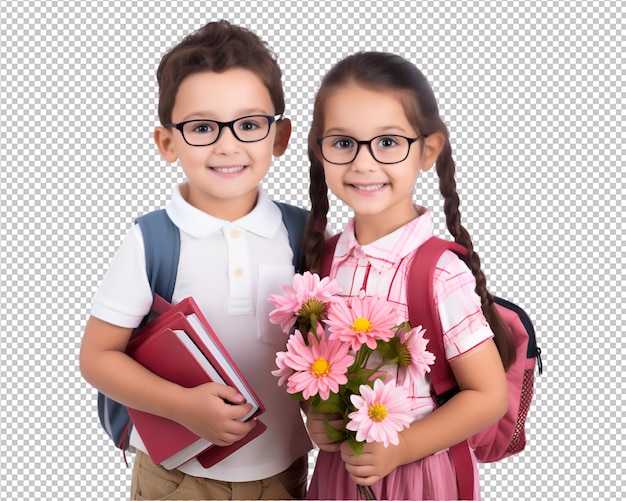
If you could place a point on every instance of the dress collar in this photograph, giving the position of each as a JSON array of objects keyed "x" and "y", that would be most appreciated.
[{"x": 385, "y": 252}]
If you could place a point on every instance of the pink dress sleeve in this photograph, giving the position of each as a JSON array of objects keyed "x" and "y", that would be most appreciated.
[{"x": 464, "y": 325}]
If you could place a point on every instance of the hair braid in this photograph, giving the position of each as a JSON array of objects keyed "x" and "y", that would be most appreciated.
[
  {"x": 316, "y": 223},
  {"x": 447, "y": 186}
]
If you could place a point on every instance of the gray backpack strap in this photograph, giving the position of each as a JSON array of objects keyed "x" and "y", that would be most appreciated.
[
  {"x": 161, "y": 239},
  {"x": 295, "y": 219}
]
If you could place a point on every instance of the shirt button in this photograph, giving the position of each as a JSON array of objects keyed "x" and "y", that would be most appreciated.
[
  {"x": 363, "y": 261},
  {"x": 238, "y": 272},
  {"x": 362, "y": 294},
  {"x": 235, "y": 233}
]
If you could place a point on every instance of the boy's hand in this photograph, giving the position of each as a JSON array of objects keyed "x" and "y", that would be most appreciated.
[
  {"x": 212, "y": 411},
  {"x": 317, "y": 432}
]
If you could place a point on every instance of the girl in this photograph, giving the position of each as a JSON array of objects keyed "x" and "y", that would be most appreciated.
[{"x": 376, "y": 125}]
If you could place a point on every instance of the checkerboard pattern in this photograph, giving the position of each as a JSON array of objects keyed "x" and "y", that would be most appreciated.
[{"x": 533, "y": 95}]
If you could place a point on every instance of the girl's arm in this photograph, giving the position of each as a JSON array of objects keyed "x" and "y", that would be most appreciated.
[
  {"x": 482, "y": 400},
  {"x": 105, "y": 365}
]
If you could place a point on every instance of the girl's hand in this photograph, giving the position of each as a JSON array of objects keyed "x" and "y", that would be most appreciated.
[
  {"x": 212, "y": 411},
  {"x": 317, "y": 432},
  {"x": 374, "y": 463}
]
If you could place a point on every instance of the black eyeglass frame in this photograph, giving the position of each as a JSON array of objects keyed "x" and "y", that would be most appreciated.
[
  {"x": 270, "y": 120},
  {"x": 410, "y": 141}
]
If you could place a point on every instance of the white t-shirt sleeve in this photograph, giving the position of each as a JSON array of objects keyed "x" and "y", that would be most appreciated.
[{"x": 124, "y": 296}]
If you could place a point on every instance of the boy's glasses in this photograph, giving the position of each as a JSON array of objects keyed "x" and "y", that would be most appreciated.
[
  {"x": 248, "y": 129},
  {"x": 386, "y": 149}
]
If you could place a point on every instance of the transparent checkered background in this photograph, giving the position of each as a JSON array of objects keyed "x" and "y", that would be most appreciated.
[{"x": 533, "y": 96}]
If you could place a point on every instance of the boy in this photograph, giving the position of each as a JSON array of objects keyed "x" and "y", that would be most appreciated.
[{"x": 220, "y": 105}]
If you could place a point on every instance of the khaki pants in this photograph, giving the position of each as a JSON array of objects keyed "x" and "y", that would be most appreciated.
[{"x": 152, "y": 481}]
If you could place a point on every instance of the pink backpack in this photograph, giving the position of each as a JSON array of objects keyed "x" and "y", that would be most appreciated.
[{"x": 506, "y": 436}]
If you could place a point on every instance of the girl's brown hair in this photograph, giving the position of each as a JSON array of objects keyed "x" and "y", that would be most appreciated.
[
  {"x": 390, "y": 72},
  {"x": 218, "y": 46}
]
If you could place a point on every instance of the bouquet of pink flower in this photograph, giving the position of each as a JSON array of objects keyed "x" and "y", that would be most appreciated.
[{"x": 340, "y": 358}]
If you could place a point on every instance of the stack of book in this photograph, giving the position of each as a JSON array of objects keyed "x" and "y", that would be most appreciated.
[{"x": 180, "y": 346}]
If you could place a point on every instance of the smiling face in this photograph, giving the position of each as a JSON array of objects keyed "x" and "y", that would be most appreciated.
[
  {"x": 223, "y": 177},
  {"x": 381, "y": 195}
]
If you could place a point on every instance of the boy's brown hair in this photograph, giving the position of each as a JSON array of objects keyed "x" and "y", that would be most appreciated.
[{"x": 217, "y": 46}]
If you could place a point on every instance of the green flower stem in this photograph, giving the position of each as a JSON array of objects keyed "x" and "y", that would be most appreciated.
[
  {"x": 313, "y": 328},
  {"x": 362, "y": 356},
  {"x": 365, "y": 492},
  {"x": 383, "y": 363}
]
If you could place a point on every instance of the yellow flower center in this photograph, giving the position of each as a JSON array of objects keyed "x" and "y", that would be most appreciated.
[
  {"x": 362, "y": 325},
  {"x": 377, "y": 412},
  {"x": 320, "y": 368}
]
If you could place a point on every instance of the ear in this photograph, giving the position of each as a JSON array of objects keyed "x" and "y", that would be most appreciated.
[
  {"x": 433, "y": 144},
  {"x": 283, "y": 134},
  {"x": 165, "y": 143}
]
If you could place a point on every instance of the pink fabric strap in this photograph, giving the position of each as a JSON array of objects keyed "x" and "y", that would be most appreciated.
[
  {"x": 327, "y": 255},
  {"x": 319, "y": 226},
  {"x": 423, "y": 311}
]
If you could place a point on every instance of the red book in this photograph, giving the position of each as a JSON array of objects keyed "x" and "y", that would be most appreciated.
[{"x": 180, "y": 346}]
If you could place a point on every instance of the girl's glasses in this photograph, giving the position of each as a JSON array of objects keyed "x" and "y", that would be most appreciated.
[
  {"x": 248, "y": 129},
  {"x": 386, "y": 149}
]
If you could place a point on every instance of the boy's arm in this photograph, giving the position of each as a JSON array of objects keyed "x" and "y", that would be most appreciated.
[{"x": 204, "y": 409}]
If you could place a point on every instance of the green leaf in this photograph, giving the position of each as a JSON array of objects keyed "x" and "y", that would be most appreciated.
[
  {"x": 298, "y": 396},
  {"x": 404, "y": 327},
  {"x": 388, "y": 348},
  {"x": 331, "y": 405},
  {"x": 354, "y": 383},
  {"x": 333, "y": 433},
  {"x": 357, "y": 447}
]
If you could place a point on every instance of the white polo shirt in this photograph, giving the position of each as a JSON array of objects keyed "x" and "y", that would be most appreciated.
[{"x": 230, "y": 268}]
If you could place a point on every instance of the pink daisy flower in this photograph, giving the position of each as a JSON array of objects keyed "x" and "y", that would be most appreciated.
[
  {"x": 364, "y": 322},
  {"x": 284, "y": 371},
  {"x": 382, "y": 412},
  {"x": 415, "y": 360},
  {"x": 320, "y": 368},
  {"x": 307, "y": 294}
]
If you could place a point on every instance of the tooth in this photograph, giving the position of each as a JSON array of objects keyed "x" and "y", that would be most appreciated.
[{"x": 227, "y": 170}]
